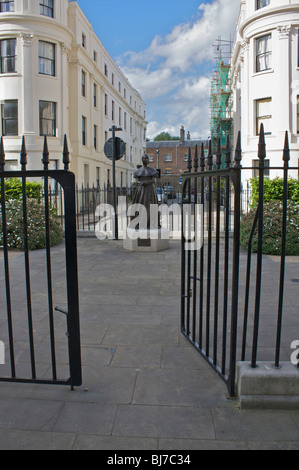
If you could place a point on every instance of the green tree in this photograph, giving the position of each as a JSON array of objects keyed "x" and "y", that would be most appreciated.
[{"x": 165, "y": 136}]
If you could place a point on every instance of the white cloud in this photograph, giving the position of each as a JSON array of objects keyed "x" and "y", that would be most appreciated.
[{"x": 169, "y": 70}]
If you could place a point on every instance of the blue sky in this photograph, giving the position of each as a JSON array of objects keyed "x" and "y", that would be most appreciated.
[{"x": 165, "y": 49}]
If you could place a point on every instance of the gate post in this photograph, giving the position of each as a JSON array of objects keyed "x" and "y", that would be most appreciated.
[{"x": 72, "y": 273}]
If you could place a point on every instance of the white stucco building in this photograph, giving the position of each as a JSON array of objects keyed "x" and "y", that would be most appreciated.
[
  {"x": 265, "y": 80},
  {"x": 56, "y": 78}
]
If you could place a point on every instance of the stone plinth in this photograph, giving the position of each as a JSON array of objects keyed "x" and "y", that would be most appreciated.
[
  {"x": 268, "y": 387},
  {"x": 147, "y": 240}
]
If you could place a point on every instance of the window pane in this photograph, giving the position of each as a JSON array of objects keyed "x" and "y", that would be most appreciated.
[
  {"x": 264, "y": 115},
  {"x": 46, "y": 52},
  {"x": 7, "y": 5},
  {"x": 47, "y": 8},
  {"x": 47, "y": 115},
  {"x": 7, "y": 55},
  {"x": 10, "y": 118},
  {"x": 263, "y": 53}
]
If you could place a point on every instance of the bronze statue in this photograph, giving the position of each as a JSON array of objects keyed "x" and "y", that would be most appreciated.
[{"x": 145, "y": 193}]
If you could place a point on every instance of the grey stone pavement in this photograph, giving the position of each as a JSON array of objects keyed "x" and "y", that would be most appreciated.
[{"x": 144, "y": 386}]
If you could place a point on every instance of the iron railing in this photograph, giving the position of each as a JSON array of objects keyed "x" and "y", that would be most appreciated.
[
  {"x": 66, "y": 180},
  {"x": 211, "y": 301}
]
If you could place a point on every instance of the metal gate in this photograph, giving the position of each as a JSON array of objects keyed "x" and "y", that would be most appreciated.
[
  {"x": 211, "y": 299},
  {"x": 209, "y": 292},
  {"x": 28, "y": 328}
]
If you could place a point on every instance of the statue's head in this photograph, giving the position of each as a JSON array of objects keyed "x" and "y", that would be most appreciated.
[{"x": 145, "y": 159}]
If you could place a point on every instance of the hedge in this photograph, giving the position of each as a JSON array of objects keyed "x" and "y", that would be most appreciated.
[
  {"x": 272, "y": 229},
  {"x": 273, "y": 190},
  {"x": 36, "y": 225},
  {"x": 13, "y": 189}
]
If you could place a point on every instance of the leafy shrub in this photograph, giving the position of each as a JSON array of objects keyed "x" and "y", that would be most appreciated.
[
  {"x": 35, "y": 223},
  {"x": 272, "y": 229},
  {"x": 13, "y": 189},
  {"x": 273, "y": 190}
]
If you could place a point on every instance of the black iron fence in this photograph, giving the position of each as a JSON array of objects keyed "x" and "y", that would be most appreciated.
[
  {"x": 24, "y": 306},
  {"x": 212, "y": 296}
]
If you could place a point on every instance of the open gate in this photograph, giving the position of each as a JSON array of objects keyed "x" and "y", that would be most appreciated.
[
  {"x": 30, "y": 323},
  {"x": 211, "y": 298},
  {"x": 209, "y": 292}
]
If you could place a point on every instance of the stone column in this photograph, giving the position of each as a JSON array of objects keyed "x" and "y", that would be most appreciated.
[{"x": 28, "y": 98}]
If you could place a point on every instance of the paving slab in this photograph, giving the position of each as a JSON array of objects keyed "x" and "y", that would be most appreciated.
[{"x": 144, "y": 386}]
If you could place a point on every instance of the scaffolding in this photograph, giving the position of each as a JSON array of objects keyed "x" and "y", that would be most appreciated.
[{"x": 221, "y": 105}]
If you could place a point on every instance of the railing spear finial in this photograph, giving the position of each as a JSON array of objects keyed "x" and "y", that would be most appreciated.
[
  {"x": 45, "y": 158},
  {"x": 23, "y": 155},
  {"x": 66, "y": 155}
]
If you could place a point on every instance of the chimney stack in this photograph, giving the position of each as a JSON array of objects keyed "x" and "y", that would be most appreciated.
[{"x": 182, "y": 134}]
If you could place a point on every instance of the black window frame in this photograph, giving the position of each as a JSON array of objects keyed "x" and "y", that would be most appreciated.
[
  {"x": 84, "y": 133},
  {"x": 8, "y": 57},
  {"x": 4, "y": 119},
  {"x": 265, "y": 54},
  {"x": 49, "y": 60},
  {"x": 260, "y": 118},
  {"x": 46, "y": 8},
  {"x": 255, "y": 168},
  {"x": 262, "y": 4},
  {"x": 48, "y": 119},
  {"x": 83, "y": 83},
  {"x": 7, "y": 3}
]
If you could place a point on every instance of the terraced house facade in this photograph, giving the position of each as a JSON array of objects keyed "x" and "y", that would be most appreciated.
[
  {"x": 265, "y": 80},
  {"x": 57, "y": 78}
]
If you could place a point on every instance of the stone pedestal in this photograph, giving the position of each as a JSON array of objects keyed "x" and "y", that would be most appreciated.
[
  {"x": 147, "y": 240},
  {"x": 266, "y": 387}
]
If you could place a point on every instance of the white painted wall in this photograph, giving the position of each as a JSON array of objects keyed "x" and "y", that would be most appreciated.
[
  {"x": 26, "y": 85},
  {"x": 280, "y": 83}
]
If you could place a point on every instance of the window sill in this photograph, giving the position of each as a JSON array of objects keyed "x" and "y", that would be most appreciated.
[
  {"x": 263, "y": 72},
  {"x": 10, "y": 74},
  {"x": 45, "y": 75}
]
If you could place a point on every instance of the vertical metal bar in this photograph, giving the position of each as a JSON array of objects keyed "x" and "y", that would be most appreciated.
[
  {"x": 77, "y": 207},
  {"x": 83, "y": 206},
  {"x": 72, "y": 281},
  {"x": 286, "y": 159},
  {"x": 27, "y": 265},
  {"x": 115, "y": 216},
  {"x": 247, "y": 288},
  {"x": 183, "y": 264},
  {"x": 6, "y": 263},
  {"x": 210, "y": 163},
  {"x": 262, "y": 156},
  {"x": 217, "y": 255},
  {"x": 189, "y": 166},
  {"x": 201, "y": 287},
  {"x": 236, "y": 263},
  {"x": 45, "y": 161},
  {"x": 226, "y": 254},
  {"x": 195, "y": 250}
]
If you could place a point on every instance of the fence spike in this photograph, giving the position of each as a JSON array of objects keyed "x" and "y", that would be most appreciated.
[
  {"x": 189, "y": 166},
  {"x": 196, "y": 159},
  {"x": 45, "y": 158},
  {"x": 202, "y": 158},
  {"x": 228, "y": 152},
  {"x": 23, "y": 154},
  {"x": 218, "y": 155},
  {"x": 210, "y": 156},
  {"x": 2, "y": 155},
  {"x": 238, "y": 152},
  {"x": 66, "y": 155},
  {"x": 262, "y": 145},
  {"x": 286, "y": 149}
]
